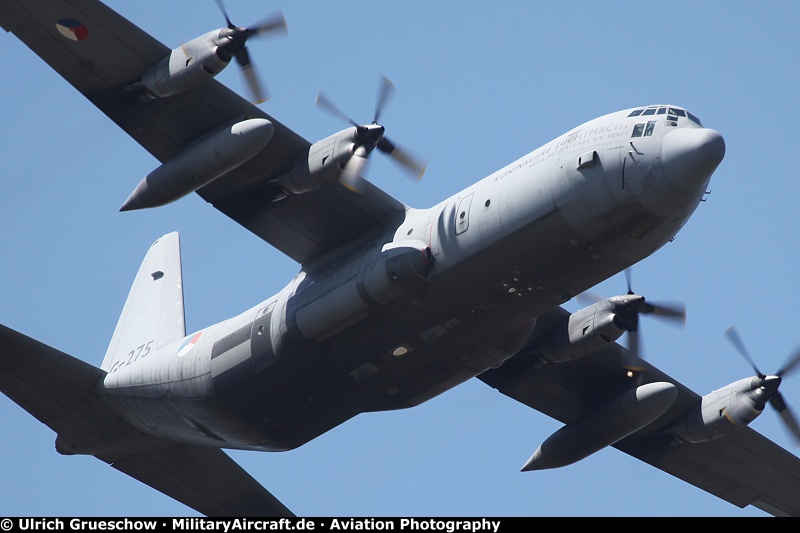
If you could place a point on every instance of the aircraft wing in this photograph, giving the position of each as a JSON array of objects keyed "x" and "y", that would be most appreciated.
[
  {"x": 115, "y": 53},
  {"x": 744, "y": 468},
  {"x": 205, "y": 479},
  {"x": 58, "y": 390}
]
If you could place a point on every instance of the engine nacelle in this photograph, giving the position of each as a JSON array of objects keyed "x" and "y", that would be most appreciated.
[
  {"x": 618, "y": 419},
  {"x": 722, "y": 411},
  {"x": 187, "y": 66},
  {"x": 324, "y": 162},
  {"x": 201, "y": 163},
  {"x": 586, "y": 331}
]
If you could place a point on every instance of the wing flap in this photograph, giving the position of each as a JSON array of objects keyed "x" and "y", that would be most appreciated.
[{"x": 205, "y": 479}]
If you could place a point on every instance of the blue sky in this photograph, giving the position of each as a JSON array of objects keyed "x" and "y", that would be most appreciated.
[{"x": 477, "y": 87}]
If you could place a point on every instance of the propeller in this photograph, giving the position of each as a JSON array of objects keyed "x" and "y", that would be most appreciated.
[
  {"x": 770, "y": 384},
  {"x": 236, "y": 46},
  {"x": 626, "y": 316},
  {"x": 629, "y": 314},
  {"x": 371, "y": 136}
]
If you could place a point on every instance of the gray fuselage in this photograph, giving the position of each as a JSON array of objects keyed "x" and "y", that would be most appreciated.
[{"x": 432, "y": 297}]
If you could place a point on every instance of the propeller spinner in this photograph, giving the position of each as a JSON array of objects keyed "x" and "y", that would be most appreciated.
[
  {"x": 236, "y": 46},
  {"x": 371, "y": 136},
  {"x": 627, "y": 311},
  {"x": 629, "y": 315},
  {"x": 770, "y": 384}
]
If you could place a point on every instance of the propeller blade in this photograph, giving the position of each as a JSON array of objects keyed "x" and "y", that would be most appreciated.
[
  {"x": 384, "y": 91},
  {"x": 243, "y": 58},
  {"x": 273, "y": 23},
  {"x": 252, "y": 82},
  {"x": 790, "y": 365},
  {"x": 670, "y": 311},
  {"x": 673, "y": 311},
  {"x": 371, "y": 136},
  {"x": 733, "y": 337},
  {"x": 327, "y": 105},
  {"x": 235, "y": 45},
  {"x": 627, "y": 318},
  {"x": 231, "y": 25},
  {"x": 788, "y": 418},
  {"x": 769, "y": 384},
  {"x": 404, "y": 158},
  {"x": 588, "y": 298},
  {"x": 351, "y": 174},
  {"x": 634, "y": 343},
  {"x": 634, "y": 356}
]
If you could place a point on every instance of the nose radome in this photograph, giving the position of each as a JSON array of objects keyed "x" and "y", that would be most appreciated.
[{"x": 690, "y": 156}]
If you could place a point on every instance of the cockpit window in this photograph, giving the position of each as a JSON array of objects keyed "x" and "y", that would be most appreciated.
[
  {"x": 672, "y": 116},
  {"x": 694, "y": 119},
  {"x": 644, "y": 130}
]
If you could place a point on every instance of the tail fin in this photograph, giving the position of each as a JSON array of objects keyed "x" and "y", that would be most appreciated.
[{"x": 153, "y": 313}]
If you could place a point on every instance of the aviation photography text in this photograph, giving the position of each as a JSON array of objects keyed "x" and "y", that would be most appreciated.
[{"x": 449, "y": 525}]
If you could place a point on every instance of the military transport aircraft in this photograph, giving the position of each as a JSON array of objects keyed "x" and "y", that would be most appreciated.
[{"x": 393, "y": 305}]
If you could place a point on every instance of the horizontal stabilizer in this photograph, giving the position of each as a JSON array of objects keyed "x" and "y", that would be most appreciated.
[
  {"x": 59, "y": 390},
  {"x": 54, "y": 387}
]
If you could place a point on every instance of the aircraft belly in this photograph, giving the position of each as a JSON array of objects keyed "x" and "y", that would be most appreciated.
[
  {"x": 201, "y": 423},
  {"x": 313, "y": 389}
]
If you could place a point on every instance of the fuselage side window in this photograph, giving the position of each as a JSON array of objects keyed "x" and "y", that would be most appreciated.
[
  {"x": 651, "y": 125},
  {"x": 638, "y": 129}
]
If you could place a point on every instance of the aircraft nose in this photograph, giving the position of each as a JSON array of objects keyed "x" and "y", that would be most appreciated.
[{"x": 690, "y": 156}]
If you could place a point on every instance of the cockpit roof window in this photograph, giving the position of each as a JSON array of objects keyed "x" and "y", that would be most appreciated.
[
  {"x": 649, "y": 111},
  {"x": 636, "y": 112},
  {"x": 676, "y": 111}
]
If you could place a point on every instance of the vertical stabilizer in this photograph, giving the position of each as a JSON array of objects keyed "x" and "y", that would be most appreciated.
[{"x": 153, "y": 314}]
